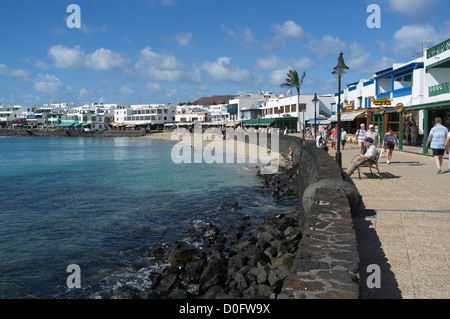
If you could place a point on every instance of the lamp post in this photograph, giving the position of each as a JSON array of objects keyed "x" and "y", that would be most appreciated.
[
  {"x": 315, "y": 100},
  {"x": 339, "y": 70}
]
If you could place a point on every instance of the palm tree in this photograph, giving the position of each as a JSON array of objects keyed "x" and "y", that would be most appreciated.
[{"x": 293, "y": 81}]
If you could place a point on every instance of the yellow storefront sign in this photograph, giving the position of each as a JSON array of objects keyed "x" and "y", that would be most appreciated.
[{"x": 383, "y": 101}]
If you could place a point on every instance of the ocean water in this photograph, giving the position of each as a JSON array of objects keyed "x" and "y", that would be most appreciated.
[{"x": 100, "y": 203}]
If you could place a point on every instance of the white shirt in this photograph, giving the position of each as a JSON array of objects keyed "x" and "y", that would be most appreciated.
[{"x": 372, "y": 151}]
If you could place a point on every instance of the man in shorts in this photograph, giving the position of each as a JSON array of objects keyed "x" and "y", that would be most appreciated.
[{"x": 436, "y": 141}]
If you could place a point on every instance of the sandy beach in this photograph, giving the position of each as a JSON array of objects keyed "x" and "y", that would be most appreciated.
[{"x": 241, "y": 151}]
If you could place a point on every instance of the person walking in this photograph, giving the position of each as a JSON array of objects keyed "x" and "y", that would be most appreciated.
[
  {"x": 436, "y": 141},
  {"x": 334, "y": 134},
  {"x": 389, "y": 143},
  {"x": 321, "y": 142},
  {"x": 374, "y": 135},
  {"x": 360, "y": 137},
  {"x": 343, "y": 137},
  {"x": 413, "y": 130}
]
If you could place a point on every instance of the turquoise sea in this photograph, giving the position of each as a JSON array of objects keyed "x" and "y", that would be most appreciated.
[{"x": 100, "y": 203}]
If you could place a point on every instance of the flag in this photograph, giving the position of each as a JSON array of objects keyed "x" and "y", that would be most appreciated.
[{"x": 289, "y": 92}]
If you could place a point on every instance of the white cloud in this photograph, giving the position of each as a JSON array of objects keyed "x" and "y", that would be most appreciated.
[
  {"x": 153, "y": 87},
  {"x": 164, "y": 67},
  {"x": 328, "y": 45},
  {"x": 273, "y": 62},
  {"x": 50, "y": 84},
  {"x": 66, "y": 58},
  {"x": 126, "y": 89},
  {"x": 244, "y": 36},
  {"x": 278, "y": 76},
  {"x": 360, "y": 61},
  {"x": 288, "y": 30},
  {"x": 42, "y": 65},
  {"x": 302, "y": 63},
  {"x": 410, "y": 37},
  {"x": 412, "y": 8},
  {"x": 16, "y": 73},
  {"x": 74, "y": 58},
  {"x": 220, "y": 70},
  {"x": 184, "y": 39},
  {"x": 105, "y": 60}
]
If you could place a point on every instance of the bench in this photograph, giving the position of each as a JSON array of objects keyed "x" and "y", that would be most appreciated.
[{"x": 370, "y": 165}]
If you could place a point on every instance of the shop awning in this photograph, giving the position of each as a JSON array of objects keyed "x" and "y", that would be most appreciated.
[
  {"x": 259, "y": 122},
  {"x": 348, "y": 117},
  {"x": 66, "y": 124}
]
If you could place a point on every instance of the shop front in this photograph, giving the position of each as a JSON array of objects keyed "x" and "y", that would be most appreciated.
[{"x": 399, "y": 117}]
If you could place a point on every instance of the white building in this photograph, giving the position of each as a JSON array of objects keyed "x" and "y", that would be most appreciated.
[
  {"x": 245, "y": 102},
  {"x": 286, "y": 107},
  {"x": 218, "y": 113},
  {"x": 10, "y": 116},
  {"x": 191, "y": 117},
  {"x": 145, "y": 115},
  {"x": 416, "y": 91}
]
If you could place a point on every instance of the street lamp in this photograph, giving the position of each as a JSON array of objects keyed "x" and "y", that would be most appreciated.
[
  {"x": 339, "y": 70},
  {"x": 315, "y": 100}
]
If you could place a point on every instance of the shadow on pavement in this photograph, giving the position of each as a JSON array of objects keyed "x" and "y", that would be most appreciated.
[{"x": 371, "y": 253}]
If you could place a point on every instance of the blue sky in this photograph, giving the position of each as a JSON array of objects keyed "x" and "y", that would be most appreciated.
[{"x": 171, "y": 51}]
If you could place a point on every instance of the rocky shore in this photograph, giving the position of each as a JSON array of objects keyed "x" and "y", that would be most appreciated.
[{"x": 244, "y": 261}]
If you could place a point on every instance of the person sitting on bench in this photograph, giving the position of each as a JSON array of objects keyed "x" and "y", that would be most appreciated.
[{"x": 369, "y": 155}]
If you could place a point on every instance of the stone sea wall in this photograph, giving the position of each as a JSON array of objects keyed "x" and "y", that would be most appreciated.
[
  {"x": 311, "y": 254},
  {"x": 326, "y": 263}
]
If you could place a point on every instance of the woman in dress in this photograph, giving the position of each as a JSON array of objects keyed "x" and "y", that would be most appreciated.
[{"x": 389, "y": 143}]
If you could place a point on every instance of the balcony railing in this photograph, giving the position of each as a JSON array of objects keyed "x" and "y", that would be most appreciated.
[
  {"x": 437, "y": 49},
  {"x": 439, "y": 89}
]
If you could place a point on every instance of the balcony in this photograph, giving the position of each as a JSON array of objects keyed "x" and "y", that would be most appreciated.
[
  {"x": 437, "y": 49},
  {"x": 402, "y": 92},
  {"x": 439, "y": 89}
]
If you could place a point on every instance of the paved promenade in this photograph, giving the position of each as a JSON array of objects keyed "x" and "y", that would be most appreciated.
[{"x": 404, "y": 225}]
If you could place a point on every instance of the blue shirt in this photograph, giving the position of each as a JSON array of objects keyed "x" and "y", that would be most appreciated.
[{"x": 438, "y": 136}]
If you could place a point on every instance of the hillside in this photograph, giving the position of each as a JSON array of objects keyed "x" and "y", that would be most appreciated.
[{"x": 217, "y": 99}]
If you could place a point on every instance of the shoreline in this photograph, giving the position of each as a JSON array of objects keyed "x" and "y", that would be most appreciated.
[
  {"x": 235, "y": 263},
  {"x": 240, "y": 261},
  {"x": 250, "y": 155},
  {"x": 243, "y": 261}
]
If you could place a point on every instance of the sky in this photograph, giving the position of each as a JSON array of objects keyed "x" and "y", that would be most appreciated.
[{"x": 174, "y": 51}]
